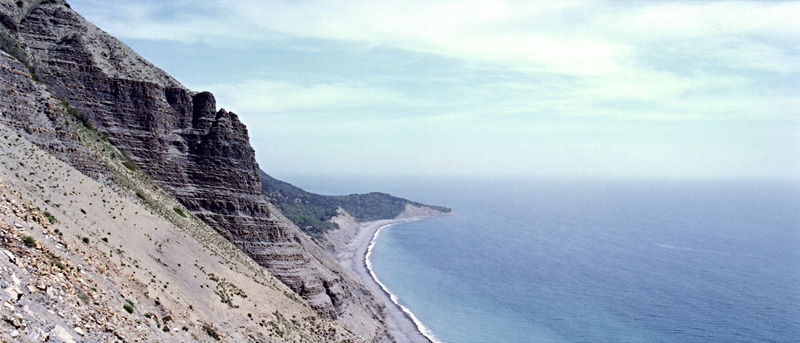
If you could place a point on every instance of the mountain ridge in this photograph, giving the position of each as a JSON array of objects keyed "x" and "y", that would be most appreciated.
[
  {"x": 62, "y": 77},
  {"x": 314, "y": 213}
]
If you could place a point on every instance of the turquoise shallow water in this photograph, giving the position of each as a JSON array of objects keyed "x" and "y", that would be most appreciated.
[{"x": 613, "y": 261}]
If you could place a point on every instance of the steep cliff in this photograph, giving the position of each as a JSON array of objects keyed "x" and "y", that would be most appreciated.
[
  {"x": 197, "y": 153},
  {"x": 85, "y": 261},
  {"x": 113, "y": 257}
]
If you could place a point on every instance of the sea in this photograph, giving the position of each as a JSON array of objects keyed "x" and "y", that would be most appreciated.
[{"x": 545, "y": 260}]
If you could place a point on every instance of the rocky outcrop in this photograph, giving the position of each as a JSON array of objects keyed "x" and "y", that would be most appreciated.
[
  {"x": 199, "y": 154},
  {"x": 29, "y": 108},
  {"x": 84, "y": 261}
]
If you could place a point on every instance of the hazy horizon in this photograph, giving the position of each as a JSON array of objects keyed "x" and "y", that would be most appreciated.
[{"x": 642, "y": 90}]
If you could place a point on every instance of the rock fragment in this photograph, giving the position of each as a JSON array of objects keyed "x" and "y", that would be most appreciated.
[
  {"x": 10, "y": 255},
  {"x": 79, "y": 331},
  {"x": 60, "y": 334}
]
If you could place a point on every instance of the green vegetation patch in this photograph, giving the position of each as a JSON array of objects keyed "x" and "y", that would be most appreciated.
[
  {"x": 179, "y": 212},
  {"x": 50, "y": 217},
  {"x": 129, "y": 164},
  {"x": 312, "y": 212},
  {"x": 211, "y": 331},
  {"x": 77, "y": 115},
  {"x": 10, "y": 44},
  {"x": 29, "y": 241}
]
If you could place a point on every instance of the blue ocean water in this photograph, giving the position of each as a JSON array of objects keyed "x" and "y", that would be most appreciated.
[{"x": 604, "y": 261}]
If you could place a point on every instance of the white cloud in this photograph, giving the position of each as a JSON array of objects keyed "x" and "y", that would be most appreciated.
[
  {"x": 608, "y": 45},
  {"x": 554, "y": 70},
  {"x": 264, "y": 96},
  {"x": 565, "y": 37}
]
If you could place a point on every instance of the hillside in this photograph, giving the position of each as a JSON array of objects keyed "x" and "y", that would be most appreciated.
[
  {"x": 86, "y": 261},
  {"x": 313, "y": 213},
  {"x": 198, "y": 154},
  {"x": 156, "y": 199}
]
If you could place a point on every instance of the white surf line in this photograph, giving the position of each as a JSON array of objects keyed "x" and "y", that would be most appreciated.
[{"x": 420, "y": 327}]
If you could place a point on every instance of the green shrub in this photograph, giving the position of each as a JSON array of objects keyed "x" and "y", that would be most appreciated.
[
  {"x": 210, "y": 331},
  {"x": 77, "y": 115},
  {"x": 128, "y": 307},
  {"x": 179, "y": 212},
  {"x": 50, "y": 217},
  {"x": 29, "y": 241}
]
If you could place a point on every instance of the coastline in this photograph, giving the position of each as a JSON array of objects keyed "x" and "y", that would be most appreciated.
[
  {"x": 421, "y": 328},
  {"x": 401, "y": 323}
]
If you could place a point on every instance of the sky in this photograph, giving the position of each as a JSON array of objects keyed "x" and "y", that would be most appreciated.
[{"x": 684, "y": 89}]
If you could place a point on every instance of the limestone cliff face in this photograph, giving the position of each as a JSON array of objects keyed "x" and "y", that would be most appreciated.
[{"x": 199, "y": 154}]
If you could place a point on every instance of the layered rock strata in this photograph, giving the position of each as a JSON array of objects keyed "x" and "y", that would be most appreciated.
[
  {"x": 84, "y": 261},
  {"x": 199, "y": 154},
  {"x": 31, "y": 110}
]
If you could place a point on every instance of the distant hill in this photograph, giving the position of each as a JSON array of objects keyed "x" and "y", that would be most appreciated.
[
  {"x": 312, "y": 212},
  {"x": 132, "y": 207},
  {"x": 170, "y": 174}
]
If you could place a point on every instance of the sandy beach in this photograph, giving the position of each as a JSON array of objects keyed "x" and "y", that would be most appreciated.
[{"x": 352, "y": 256}]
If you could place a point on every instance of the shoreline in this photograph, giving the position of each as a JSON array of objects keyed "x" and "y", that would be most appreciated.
[
  {"x": 354, "y": 256},
  {"x": 421, "y": 328}
]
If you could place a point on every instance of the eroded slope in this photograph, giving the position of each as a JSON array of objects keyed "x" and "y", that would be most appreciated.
[
  {"x": 84, "y": 261},
  {"x": 197, "y": 153}
]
